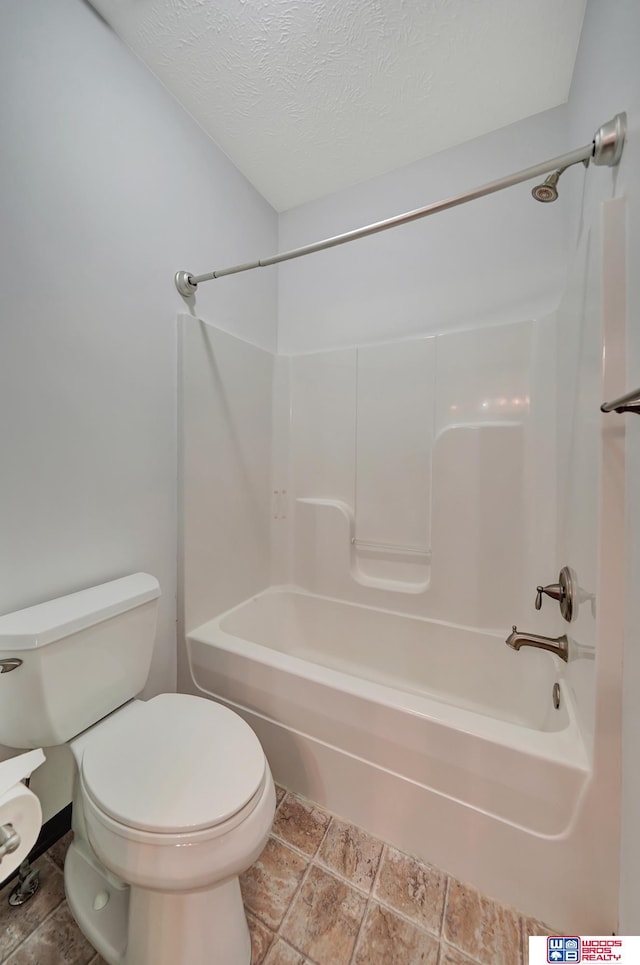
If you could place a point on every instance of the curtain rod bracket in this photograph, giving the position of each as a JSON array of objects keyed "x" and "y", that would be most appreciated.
[
  {"x": 608, "y": 141},
  {"x": 185, "y": 286}
]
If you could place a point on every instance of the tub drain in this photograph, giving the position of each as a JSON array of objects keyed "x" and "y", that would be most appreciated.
[{"x": 556, "y": 696}]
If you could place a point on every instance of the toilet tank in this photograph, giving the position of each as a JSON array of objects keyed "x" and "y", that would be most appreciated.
[{"x": 81, "y": 656}]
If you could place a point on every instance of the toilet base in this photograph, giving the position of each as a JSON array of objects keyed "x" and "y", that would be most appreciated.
[
  {"x": 199, "y": 927},
  {"x": 99, "y": 902},
  {"x": 128, "y": 925}
]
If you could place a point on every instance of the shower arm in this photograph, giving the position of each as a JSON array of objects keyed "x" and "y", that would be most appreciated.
[{"x": 605, "y": 149}]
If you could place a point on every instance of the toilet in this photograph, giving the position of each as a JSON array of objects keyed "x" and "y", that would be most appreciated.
[{"x": 173, "y": 796}]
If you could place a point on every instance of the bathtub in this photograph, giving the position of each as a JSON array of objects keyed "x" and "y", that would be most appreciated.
[{"x": 433, "y": 736}]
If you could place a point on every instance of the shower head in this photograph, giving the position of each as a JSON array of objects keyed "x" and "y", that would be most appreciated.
[{"x": 547, "y": 191}]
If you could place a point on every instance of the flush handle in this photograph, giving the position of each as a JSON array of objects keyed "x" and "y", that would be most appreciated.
[
  {"x": 12, "y": 663},
  {"x": 563, "y": 591}
]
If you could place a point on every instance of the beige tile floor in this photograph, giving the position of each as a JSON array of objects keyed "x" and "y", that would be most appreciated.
[{"x": 322, "y": 892}]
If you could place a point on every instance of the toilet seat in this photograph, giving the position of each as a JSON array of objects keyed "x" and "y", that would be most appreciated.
[
  {"x": 173, "y": 765},
  {"x": 161, "y": 839}
]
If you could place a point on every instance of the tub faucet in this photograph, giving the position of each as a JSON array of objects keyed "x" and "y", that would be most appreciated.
[{"x": 557, "y": 645}]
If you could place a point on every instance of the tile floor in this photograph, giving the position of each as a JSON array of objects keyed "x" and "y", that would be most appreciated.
[{"x": 322, "y": 893}]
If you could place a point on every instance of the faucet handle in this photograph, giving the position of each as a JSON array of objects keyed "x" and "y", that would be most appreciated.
[
  {"x": 563, "y": 591},
  {"x": 554, "y": 590}
]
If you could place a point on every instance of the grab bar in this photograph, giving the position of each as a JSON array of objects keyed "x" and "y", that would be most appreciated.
[{"x": 626, "y": 403}]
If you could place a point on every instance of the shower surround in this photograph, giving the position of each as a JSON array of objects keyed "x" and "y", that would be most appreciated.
[{"x": 362, "y": 527}]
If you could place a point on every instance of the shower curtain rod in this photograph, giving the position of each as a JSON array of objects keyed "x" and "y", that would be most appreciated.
[{"x": 605, "y": 149}]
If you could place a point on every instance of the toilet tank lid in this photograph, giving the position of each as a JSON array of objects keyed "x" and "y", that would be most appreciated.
[{"x": 36, "y": 626}]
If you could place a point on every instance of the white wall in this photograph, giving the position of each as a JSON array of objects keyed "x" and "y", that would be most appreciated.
[
  {"x": 607, "y": 80},
  {"x": 107, "y": 187},
  {"x": 225, "y": 433},
  {"x": 396, "y": 445},
  {"x": 498, "y": 259}
]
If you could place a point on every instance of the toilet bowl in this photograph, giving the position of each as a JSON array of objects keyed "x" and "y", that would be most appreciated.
[
  {"x": 173, "y": 796},
  {"x": 175, "y": 799}
]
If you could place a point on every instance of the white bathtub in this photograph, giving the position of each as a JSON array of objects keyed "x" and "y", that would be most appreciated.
[{"x": 436, "y": 737}]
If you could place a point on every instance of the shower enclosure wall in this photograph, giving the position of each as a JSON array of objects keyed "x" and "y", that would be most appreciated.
[{"x": 362, "y": 527}]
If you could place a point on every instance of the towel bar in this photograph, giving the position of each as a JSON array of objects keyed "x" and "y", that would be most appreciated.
[{"x": 626, "y": 403}]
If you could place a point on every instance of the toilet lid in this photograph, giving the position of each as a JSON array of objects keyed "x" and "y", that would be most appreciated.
[{"x": 174, "y": 763}]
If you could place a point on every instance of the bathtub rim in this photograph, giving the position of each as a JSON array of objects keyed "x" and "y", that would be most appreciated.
[{"x": 564, "y": 746}]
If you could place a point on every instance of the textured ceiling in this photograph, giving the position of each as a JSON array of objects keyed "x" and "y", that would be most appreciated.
[{"x": 310, "y": 96}]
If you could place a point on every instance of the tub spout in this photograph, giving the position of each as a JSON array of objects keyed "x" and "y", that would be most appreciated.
[{"x": 557, "y": 645}]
